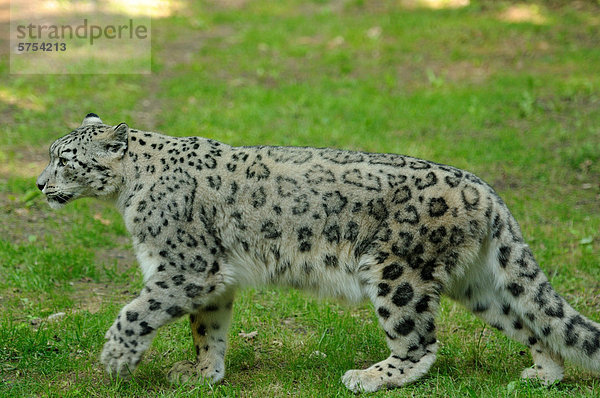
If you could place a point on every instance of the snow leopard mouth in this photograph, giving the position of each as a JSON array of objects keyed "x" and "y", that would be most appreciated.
[{"x": 60, "y": 198}]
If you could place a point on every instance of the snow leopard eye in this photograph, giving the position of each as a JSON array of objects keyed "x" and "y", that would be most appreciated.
[{"x": 62, "y": 162}]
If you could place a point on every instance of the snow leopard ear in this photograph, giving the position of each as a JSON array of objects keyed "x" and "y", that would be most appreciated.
[
  {"x": 114, "y": 140},
  {"x": 119, "y": 133},
  {"x": 91, "y": 118}
]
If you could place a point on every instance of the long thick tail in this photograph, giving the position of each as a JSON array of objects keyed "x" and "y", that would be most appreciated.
[{"x": 561, "y": 328}]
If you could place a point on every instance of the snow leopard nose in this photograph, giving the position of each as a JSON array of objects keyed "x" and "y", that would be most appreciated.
[{"x": 41, "y": 181}]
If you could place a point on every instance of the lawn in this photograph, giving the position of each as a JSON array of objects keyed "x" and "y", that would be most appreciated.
[{"x": 505, "y": 90}]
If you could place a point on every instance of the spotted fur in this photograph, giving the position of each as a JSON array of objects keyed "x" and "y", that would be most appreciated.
[{"x": 207, "y": 218}]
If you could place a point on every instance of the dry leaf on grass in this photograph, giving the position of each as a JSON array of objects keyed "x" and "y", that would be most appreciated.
[
  {"x": 103, "y": 221},
  {"x": 248, "y": 336}
]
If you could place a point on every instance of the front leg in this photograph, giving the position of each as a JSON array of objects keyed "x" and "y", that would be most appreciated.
[
  {"x": 166, "y": 297},
  {"x": 209, "y": 325},
  {"x": 125, "y": 345}
]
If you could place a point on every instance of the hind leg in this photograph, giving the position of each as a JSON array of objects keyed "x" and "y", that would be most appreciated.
[
  {"x": 488, "y": 305},
  {"x": 394, "y": 371},
  {"x": 406, "y": 311},
  {"x": 209, "y": 333}
]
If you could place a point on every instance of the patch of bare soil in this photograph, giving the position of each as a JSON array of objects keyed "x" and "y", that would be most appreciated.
[
  {"x": 92, "y": 296},
  {"x": 24, "y": 161},
  {"x": 4, "y": 27},
  {"x": 434, "y": 4},
  {"x": 19, "y": 223},
  {"x": 466, "y": 72},
  {"x": 506, "y": 182},
  {"x": 122, "y": 256},
  {"x": 520, "y": 13},
  {"x": 230, "y": 4}
]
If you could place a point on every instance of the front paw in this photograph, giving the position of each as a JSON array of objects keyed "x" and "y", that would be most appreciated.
[
  {"x": 200, "y": 373},
  {"x": 119, "y": 357}
]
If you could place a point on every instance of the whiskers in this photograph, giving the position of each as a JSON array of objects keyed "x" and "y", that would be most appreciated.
[{"x": 60, "y": 197}]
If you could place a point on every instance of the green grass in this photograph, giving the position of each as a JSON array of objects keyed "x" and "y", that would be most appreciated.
[{"x": 516, "y": 103}]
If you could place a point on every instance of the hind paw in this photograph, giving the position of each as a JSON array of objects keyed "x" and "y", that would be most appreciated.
[
  {"x": 362, "y": 381},
  {"x": 545, "y": 376}
]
